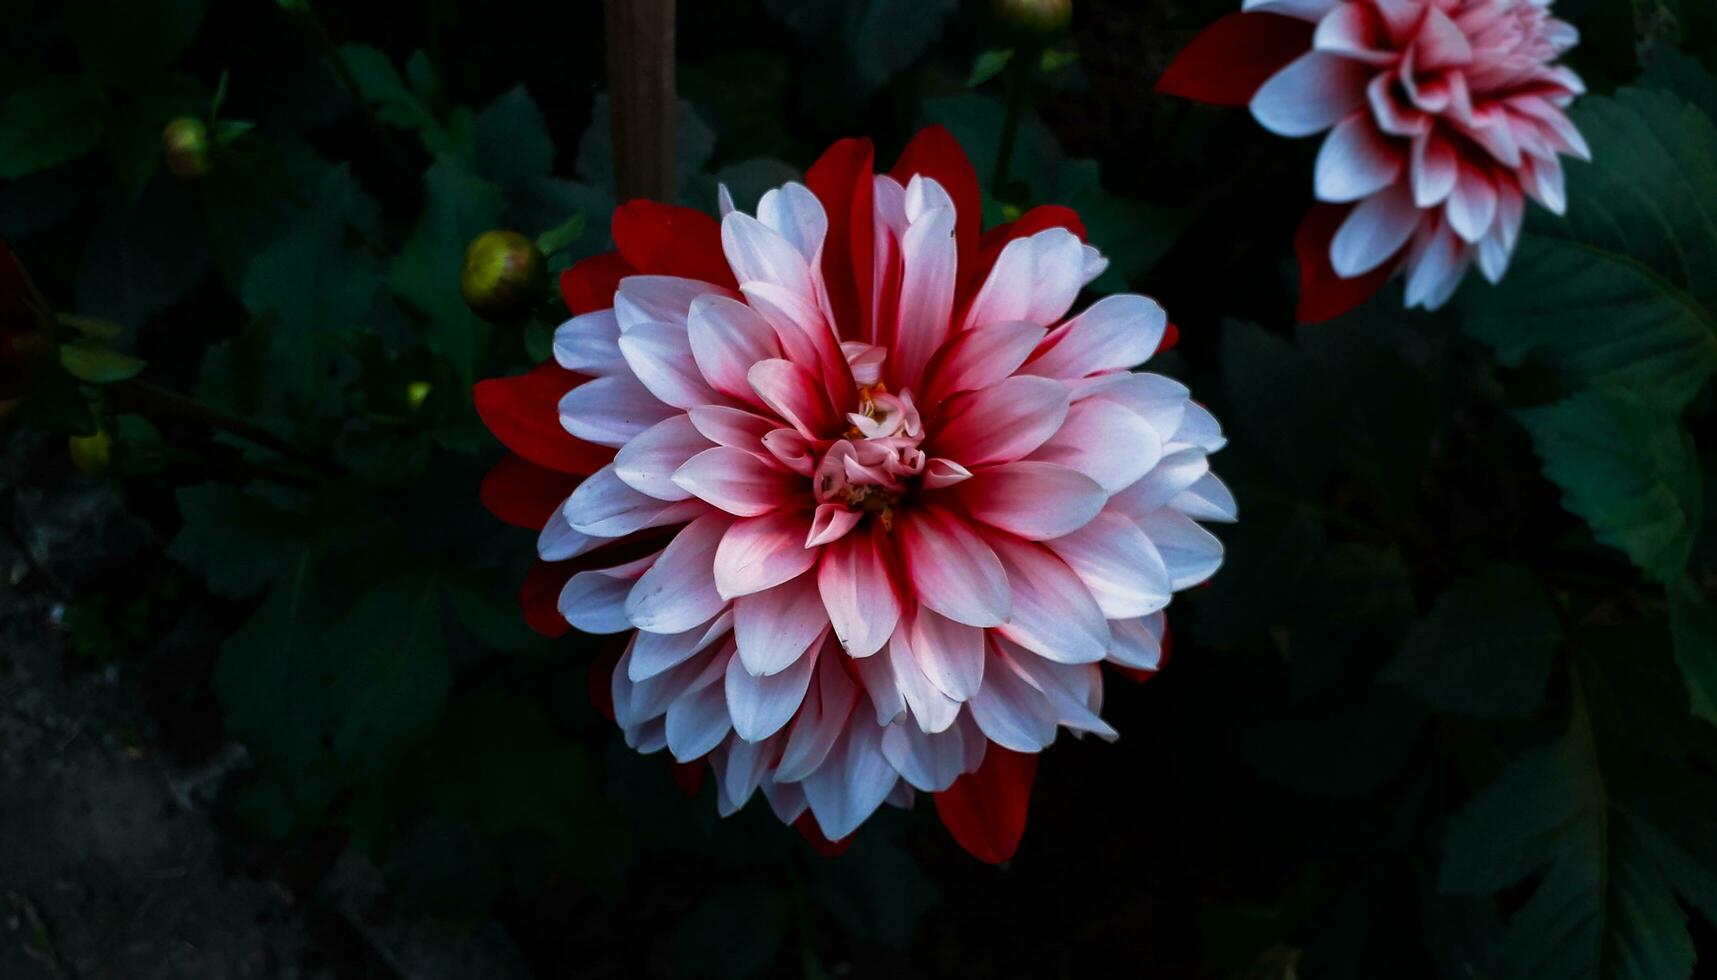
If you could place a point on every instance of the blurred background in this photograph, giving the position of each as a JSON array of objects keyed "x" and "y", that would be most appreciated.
[{"x": 267, "y": 707}]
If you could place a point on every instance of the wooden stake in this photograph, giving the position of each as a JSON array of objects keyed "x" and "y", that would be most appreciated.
[{"x": 641, "y": 97}]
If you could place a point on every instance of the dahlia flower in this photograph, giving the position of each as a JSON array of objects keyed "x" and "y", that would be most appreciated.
[
  {"x": 1443, "y": 117},
  {"x": 865, "y": 502}
]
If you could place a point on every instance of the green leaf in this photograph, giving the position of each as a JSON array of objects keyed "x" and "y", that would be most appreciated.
[
  {"x": 390, "y": 671},
  {"x": 1612, "y": 839},
  {"x": 381, "y": 85},
  {"x": 734, "y": 933},
  {"x": 1485, "y": 649},
  {"x": 1131, "y": 234},
  {"x": 269, "y": 676},
  {"x": 988, "y": 65},
  {"x": 512, "y": 141},
  {"x": 460, "y": 206},
  {"x": 558, "y": 238},
  {"x": 98, "y": 364},
  {"x": 120, "y": 40},
  {"x": 239, "y": 543},
  {"x": 1274, "y": 397},
  {"x": 1596, "y": 317},
  {"x": 1627, "y": 467},
  {"x": 317, "y": 282},
  {"x": 1671, "y": 71},
  {"x": 52, "y": 120},
  {"x": 1693, "y": 624},
  {"x": 1624, "y": 288},
  {"x": 868, "y": 41},
  {"x": 144, "y": 255}
]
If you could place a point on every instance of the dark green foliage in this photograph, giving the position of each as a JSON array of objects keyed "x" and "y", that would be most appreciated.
[{"x": 1447, "y": 711}]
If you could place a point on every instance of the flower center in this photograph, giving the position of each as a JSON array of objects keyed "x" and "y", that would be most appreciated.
[{"x": 875, "y": 464}]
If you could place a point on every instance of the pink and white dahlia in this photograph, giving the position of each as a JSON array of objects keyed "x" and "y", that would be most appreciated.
[
  {"x": 1443, "y": 117},
  {"x": 866, "y": 501}
]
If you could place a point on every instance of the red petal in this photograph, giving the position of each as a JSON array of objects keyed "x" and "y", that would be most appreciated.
[
  {"x": 1232, "y": 58},
  {"x": 523, "y": 494},
  {"x": 985, "y": 810},
  {"x": 842, "y": 179},
  {"x": 807, "y": 827},
  {"x": 1171, "y": 337},
  {"x": 539, "y": 597},
  {"x": 590, "y": 284},
  {"x": 936, "y": 154},
  {"x": 523, "y": 411},
  {"x": 1323, "y": 294},
  {"x": 668, "y": 240},
  {"x": 688, "y": 776}
]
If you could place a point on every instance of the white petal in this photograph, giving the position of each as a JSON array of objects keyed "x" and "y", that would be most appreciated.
[
  {"x": 658, "y": 299},
  {"x": 647, "y": 463},
  {"x": 1118, "y": 564},
  {"x": 653, "y": 653},
  {"x": 589, "y": 344},
  {"x": 1313, "y": 93},
  {"x": 610, "y": 411},
  {"x": 1011, "y": 712},
  {"x": 1116, "y": 333},
  {"x": 776, "y": 626},
  {"x": 1191, "y": 553},
  {"x": 1373, "y": 232},
  {"x": 679, "y": 591},
  {"x": 595, "y": 600},
  {"x": 761, "y": 706}
]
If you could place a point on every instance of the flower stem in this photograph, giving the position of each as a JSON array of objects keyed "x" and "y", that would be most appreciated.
[
  {"x": 150, "y": 399},
  {"x": 1020, "y": 72}
]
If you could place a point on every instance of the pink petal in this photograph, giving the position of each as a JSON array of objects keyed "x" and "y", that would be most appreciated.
[
  {"x": 951, "y": 569},
  {"x": 1118, "y": 565},
  {"x": 1054, "y": 614},
  {"x": 1035, "y": 500},
  {"x": 758, "y": 553},
  {"x": 1001, "y": 423},
  {"x": 931, "y": 709},
  {"x": 1106, "y": 442},
  {"x": 859, "y": 591},
  {"x": 1434, "y": 170},
  {"x": 980, "y": 357},
  {"x": 793, "y": 394},
  {"x": 928, "y": 255},
  {"x": 775, "y": 627},
  {"x": 726, "y": 426},
  {"x": 952, "y": 654},
  {"x": 726, "y": 338},
  {"x": 738, "y": 482},
  {"x": 830, "y": 523},
  {"x": 1116, "y": 333},
  {"x": 1034, "y": 279}
]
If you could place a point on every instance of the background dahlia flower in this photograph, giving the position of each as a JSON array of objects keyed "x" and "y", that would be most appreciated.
[
  {"x": 1443, "y": 116},
  {"x": 866, "y": 501}
]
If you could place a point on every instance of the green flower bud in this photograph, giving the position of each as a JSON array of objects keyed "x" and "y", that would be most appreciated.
[
  {"x": 185, "y": 144},
  {"x": 91, "y": 455},
  {"x": 1031, "y": 21},
  {"x": 504, "y": 276},
  {"x": 416, "y": 393}
]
